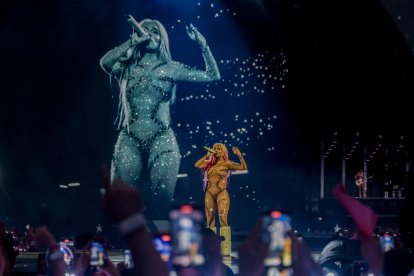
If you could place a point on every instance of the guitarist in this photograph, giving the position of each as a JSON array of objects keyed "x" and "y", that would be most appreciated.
[{"x": 359, "y": 181}]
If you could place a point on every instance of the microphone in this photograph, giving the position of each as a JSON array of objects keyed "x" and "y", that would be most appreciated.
[
  {"x": 137, "y": 27},
  {"x": 210, "y": 150}
]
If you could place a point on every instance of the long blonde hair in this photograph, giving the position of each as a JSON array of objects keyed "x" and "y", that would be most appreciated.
[{"x": 132, "y": 59}]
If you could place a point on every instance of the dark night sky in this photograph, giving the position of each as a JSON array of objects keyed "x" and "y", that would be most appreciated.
[{"x": 351, "y": 69}]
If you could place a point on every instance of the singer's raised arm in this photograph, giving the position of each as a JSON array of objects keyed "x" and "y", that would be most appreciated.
[
  {"x": 114, "y": 61},
  {"x": 237, "y": 167},
  {"x": 185, "y": 73},
  {"x": 201, "y": 163}
]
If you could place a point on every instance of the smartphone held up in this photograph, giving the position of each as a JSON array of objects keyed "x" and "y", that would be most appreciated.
[
  {"x": 187, "y": 241},
  {"x": 276, "y": 226},
  {"x": 99, "y": 254}
]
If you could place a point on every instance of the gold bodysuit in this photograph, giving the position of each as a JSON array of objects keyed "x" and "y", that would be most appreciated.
[{"x": 216, "y": 195}]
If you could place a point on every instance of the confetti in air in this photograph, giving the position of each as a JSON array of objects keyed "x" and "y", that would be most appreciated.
[
  {"x": 241, "y": 79},
  {"x": 244, "y": 131},
  {"x": 245, "y": 77}
]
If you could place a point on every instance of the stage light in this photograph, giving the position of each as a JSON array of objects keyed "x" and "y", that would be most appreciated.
[
  {"x": 239, "y": 172},
  {"x": 75, "y": 184}
]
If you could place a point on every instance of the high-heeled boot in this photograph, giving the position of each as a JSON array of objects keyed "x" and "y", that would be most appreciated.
[
  {"x": 214, "y": 229},
  {"x": 225, "y": 233}
]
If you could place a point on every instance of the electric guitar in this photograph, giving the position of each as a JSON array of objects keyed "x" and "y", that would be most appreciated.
[{"x": 360, "y": 180}]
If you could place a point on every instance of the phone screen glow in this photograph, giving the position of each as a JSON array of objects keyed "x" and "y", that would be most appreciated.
[{"x": 275, "y": 228}]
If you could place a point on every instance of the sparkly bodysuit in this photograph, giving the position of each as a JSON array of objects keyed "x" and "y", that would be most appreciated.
[
  {"x": 216, "y": 195},
  {"x": 146, "y": 136}
]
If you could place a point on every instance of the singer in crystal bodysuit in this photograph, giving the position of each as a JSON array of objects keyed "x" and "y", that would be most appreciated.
[
  {"x": 147, "y": 77},
  {"x": 216, "y": 167}
]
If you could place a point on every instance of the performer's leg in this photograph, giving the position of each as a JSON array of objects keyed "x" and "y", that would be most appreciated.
[
  {"x": 210, "y": 210},
  {"x": 127, "y": 161},
  {"x": 163, "y": 165},
  {"x": 223, "y": 202}
]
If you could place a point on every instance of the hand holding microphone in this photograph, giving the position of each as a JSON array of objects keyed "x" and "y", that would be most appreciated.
[
  {"x": 210, "y": 151},
  {"x": 137, "y": 27},
  {"x": 139, "y": 35}
]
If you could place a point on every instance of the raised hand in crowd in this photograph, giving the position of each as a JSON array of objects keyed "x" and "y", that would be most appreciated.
[
  {"x": 252, "y": 253},
  {"x": 124, "y": 204},
  {"x": 303, "y": 262},
  {"x": 8, "y": 254},
  {"x": 254, "y": 250},
  {"x": 2, "y": 262},
  {"x": 214, "y": 264},
  {"x": 120, "y": 201},
  {"x": 110, "y": 269},
  {"x": 372, "y": 253},
  {"x": 83, "y": 261},
  {"x": 55, "y": 258}
]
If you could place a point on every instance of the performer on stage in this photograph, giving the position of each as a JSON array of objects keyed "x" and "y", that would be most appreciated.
[
  {"x": 216, "y": 167},
  {"x": 359, "y": 181},
  {"x": 147, "y": 77}
]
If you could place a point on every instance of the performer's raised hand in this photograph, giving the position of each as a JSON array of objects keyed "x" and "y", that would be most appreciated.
[
  {"x": 135, "y": 39},
  {"x": 195, "y": 35},
  {"x": 236, "y": 151}
]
